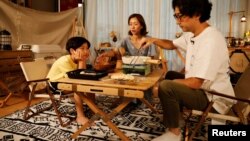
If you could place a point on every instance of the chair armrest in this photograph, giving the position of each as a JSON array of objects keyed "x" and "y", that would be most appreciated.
[
  {"x": 38, "y": 80},
  {"x": 228, "y": 96}
]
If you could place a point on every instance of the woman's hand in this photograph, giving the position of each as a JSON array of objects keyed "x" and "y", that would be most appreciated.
[
  {"x": 110, "y": 53},
  {"x": 103, "y": 57}
]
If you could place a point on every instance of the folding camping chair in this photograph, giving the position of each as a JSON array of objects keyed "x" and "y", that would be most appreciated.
[
  {"x": 239, "y": 111},
  {"x": 35, "y": 73}
]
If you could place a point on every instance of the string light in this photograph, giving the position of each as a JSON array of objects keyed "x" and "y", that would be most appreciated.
[{"x": 243, "y": 19}]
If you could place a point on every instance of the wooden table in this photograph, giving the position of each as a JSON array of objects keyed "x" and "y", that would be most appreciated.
[{"x": 106, "y": 86}]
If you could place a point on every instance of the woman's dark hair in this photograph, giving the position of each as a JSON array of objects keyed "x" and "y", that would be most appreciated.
[
  {"x": 76, "y": 42},
  {"x": 141, "y": 21},
  {"x": 192, "y": 8}
]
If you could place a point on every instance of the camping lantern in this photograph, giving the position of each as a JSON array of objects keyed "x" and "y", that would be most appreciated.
[{"x": 5, "y": 40}]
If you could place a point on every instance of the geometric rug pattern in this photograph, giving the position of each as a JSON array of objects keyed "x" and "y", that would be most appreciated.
[{"x": 138, "y": 122}]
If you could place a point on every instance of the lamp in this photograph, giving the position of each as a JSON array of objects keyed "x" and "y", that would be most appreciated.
[{"x": 243, "y": 19}]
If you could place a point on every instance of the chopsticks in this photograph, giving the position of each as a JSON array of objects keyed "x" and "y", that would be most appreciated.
[{"x": 136, "y": 57}]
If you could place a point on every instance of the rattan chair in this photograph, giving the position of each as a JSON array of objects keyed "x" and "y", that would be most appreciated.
[{"x": 35, "y": 73}]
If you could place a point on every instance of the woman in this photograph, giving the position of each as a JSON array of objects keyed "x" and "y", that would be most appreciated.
[{"x": 131, "y": 44}]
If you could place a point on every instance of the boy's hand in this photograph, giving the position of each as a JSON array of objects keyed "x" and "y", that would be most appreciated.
[{"x": 80, "y": 56}]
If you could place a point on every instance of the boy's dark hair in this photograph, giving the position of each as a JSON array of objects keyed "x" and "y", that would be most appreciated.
[
  {"x": 194, "y": 7},
  {"x": 76, "y": 42},
  {"x": 141, "y": 21}
]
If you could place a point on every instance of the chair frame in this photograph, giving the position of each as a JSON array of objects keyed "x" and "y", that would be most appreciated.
[
  {"x": 54, "y": 104},
  {"x": 238, "y": 114},
  {"x": 207, "y": 114}
]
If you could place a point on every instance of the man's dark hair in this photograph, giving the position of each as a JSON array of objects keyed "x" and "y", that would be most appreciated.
[
  {"x": 141, "y": 21},
  {"x": 194, "y": 8},
  {"x": 76, "y": 42}
]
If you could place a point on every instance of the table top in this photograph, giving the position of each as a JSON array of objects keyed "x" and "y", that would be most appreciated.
[{"x": 140, "y": 82}]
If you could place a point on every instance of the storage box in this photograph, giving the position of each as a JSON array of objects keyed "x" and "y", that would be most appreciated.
[
  {"x": 43, "y": 51},
  {"x": 136, "y": 65},
  {"x": 143, "y": 69}
]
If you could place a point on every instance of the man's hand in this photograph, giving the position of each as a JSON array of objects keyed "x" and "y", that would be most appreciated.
[
  {"x": 146, "y": 42},
  {"x": 162, "y": 43},
  {"x": 192, "y": 82}
]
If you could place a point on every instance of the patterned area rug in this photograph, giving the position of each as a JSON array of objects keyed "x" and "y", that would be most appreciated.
[{"x": 136, "y": 121}]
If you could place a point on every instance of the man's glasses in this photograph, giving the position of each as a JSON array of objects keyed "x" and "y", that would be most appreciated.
[{"x": 178, "y": 16}]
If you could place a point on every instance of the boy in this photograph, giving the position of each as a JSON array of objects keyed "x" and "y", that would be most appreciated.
[{"x": 78, "y": 49}]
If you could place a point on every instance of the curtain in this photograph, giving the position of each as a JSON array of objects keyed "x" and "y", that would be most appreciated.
[
  {"x": 104, "y": 16},
  {"x": 28, "y": 26}
]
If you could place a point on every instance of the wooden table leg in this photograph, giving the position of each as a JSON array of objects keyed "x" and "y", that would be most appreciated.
[
  {"x": 121, "y": 106},
  {"x": 149, "y": 105},
  {"x": 105, "y": 117},
  {"x": 83, "y": 127}
]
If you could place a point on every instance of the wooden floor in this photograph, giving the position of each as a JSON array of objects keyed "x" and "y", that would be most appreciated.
[{"x": 16, "y": 103}]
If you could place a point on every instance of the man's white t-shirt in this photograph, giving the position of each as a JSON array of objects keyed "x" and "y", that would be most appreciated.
[{"x": 207, "y": 58}]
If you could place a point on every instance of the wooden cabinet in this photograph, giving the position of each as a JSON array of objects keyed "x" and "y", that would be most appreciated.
[{"x": 11, "y": 75}]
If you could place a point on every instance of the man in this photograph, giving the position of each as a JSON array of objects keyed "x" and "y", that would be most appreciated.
[{"x": 206, "y": 66}]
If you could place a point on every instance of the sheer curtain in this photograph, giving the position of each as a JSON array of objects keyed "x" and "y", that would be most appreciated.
[{"x": 104, "y": 16}]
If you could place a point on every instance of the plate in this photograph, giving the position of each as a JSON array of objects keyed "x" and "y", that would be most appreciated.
[{"x": 122, "y": 76}]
